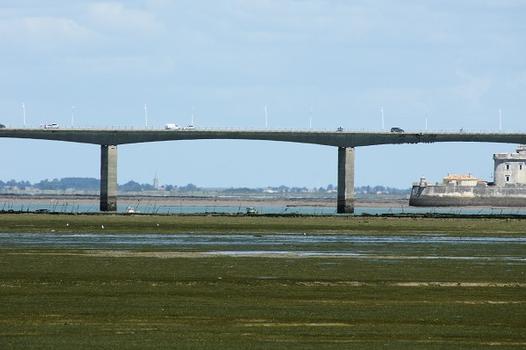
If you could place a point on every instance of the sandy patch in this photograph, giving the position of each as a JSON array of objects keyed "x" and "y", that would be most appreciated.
[
  {"x": 111, "y": 253},
  {"x": 296, "y": 324},
  {"x": 460, "y": 284}
]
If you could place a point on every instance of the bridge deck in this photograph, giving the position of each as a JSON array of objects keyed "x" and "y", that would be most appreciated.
[{"x": 328, "y": 138}]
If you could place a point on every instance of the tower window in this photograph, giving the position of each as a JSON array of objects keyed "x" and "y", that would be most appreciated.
[
  {"x": 507, "y": 167},
  {"x": 507, "y": 178}
]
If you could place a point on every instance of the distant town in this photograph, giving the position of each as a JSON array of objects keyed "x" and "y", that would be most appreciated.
[{"x": 91, "y": 186}]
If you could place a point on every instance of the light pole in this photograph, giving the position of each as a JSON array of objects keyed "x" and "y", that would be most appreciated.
[
  {"x": 24, "y": 113},
  {"x": 72, "y": 115},
  {"x": 145, "y": 115}
]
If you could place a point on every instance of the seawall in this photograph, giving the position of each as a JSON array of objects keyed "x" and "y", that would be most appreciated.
[{"x": 449, "y": 196}]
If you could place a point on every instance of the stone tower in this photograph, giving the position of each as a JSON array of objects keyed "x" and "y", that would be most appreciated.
[{"x": 510, "y": 168}]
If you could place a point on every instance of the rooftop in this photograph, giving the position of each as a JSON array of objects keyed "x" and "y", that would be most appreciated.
[{"x": 459, "y": 177}]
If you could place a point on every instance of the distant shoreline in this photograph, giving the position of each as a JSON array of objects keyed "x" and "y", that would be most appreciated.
[{"x": 243, "y": 201}]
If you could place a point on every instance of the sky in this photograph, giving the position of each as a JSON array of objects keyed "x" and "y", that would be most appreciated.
[{"x": 325, "y": 63}]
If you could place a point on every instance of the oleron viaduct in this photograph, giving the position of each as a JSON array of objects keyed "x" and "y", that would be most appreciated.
[{"x": 343, "y": 140}]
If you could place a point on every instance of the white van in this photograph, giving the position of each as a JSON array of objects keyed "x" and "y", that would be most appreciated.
[{"x": 171, "y": 126}]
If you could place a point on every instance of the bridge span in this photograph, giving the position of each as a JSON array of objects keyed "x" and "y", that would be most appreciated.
[{"x": 345, "y": 141}]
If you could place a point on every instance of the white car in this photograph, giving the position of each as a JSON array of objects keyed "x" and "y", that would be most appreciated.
[
  {"x": 51, "y": 126},
  {"x": 171, "y": 126}
]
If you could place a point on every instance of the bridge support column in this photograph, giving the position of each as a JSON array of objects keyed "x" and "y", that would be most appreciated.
[
  {"x": 108, "y": 178},
  {"x": 345, "y": 180}
]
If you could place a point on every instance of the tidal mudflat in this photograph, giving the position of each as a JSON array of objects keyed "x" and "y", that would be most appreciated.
[
  {"x": 263, "y": 290},
  {"x": 228, "y": 224}
]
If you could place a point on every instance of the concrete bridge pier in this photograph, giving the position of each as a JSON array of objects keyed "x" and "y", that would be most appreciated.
[
  {"x": 345, "y": 180},
  {"x": 108, "y": 178}
]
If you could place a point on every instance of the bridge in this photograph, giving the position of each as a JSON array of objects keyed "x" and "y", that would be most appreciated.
[{"x": 345, "y": 141}]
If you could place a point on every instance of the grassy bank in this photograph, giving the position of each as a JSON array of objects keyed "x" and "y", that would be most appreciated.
[{"x": 257, "y": 224}]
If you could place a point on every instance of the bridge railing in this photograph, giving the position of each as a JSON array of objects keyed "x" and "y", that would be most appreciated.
[{"x": 240, "y": 129}]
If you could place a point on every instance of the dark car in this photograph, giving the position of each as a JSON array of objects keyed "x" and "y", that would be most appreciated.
[
  {"x": 2, "y": 126},
  {"x": 397, "y": 129},
  {"x": 340, "y": 129}
]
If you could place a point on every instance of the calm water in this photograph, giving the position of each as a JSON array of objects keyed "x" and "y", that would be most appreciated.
[
  {"x": 152, "y": 208},
  {"x": 508, "y": 249},
  {"x": 177, "y": 240}
]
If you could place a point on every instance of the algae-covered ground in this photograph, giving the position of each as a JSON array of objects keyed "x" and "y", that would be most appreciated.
[
  {"x": 415, "y": 293},
  {"x": 256, "y": 224}
]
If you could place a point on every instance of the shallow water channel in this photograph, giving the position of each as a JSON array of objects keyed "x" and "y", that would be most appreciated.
[{"x": 510, "y": 249}]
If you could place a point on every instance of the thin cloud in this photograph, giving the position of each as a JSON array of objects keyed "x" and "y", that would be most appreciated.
[
  {"x": 115, "y": 17},
  {"x": 42, "y": 30},
  {"x": 471, "y": 88}
]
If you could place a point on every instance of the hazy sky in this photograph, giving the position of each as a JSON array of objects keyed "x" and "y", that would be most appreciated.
[{"x": 455, "y": 63}]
